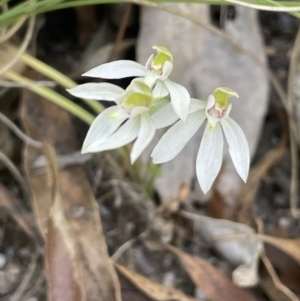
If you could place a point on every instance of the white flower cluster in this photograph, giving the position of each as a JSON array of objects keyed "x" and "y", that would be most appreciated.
[{"x": 152, "y": 101}]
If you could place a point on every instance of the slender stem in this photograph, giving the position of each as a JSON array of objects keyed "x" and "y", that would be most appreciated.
[
  {"x": 15, "y": 172},
  {"x": 22, "y": 47},
  {"x": 57, "y": 77},
  {"x": 53, "y": 96},
  {"x": 24, "y": 9},
  {"x": 19, "y": 133}
]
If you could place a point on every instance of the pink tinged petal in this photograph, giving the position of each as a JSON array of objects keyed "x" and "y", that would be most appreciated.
[
  {"x": 167, "y": 69},
  {"x": 149, "y": 61},
  {"x": 212, "y": 119},
  {"x": 209, "y": 159},
  {"x": 117, "y": 69},
  {"x": 103, "y": 126},
  {"x": 174, "y": 140},
  {"x": 164, "y": 116},
  {"x": 210, "y": 102},
  {"x": 98, "y": 91},
  {"x": 238, "y": 146},
  {"x": 180, "y": 99},
  {"x": 126, "y": 133},
  {"x": 160, "y": 90},
  {"x": 145, "y": 136}
]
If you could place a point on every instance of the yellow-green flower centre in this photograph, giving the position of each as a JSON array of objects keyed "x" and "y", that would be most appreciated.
[
  {"x": 222, "y": 95},
  {"x": 137, "y": 100},
  {"x": 159, "y": 61},
  {"x": 163, "y": 56}
]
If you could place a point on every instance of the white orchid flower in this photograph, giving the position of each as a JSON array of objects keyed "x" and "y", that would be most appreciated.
[
  {"x": 155, "y": 73},
  {"x": 209, "y": 160},
  {"x": 121, "y": 124}
]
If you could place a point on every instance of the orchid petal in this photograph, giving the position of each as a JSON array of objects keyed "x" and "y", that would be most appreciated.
[
  {"x": 138, "y": 111},
  {"x": 210, "y": 102},
  {"x": 196, "y": 105},
  {"x": 164, "y": 116},
  {"x": 209, "y": 159},
  {"x": 149, "y": 61},
  {"x": 145, "y": 135},
  {"x": 238, "y": 146},
  {"x": 180, "y": 98},
  {"x": 117, "y": 69},
  {"x": 98, "y": 91},
  {"x": 124, "y": 135},
  {"x": 159, "y": 90},
  {"x": 167, "y": 69},
  {"x": 103, "y": 126},
  {"x": 151, "y": 78},
  {"x": 174, "y": 140}
]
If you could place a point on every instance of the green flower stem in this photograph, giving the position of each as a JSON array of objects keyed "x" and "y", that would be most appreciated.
[
  {"x": 274, "y": 3},
  {"x": 28, "y": 8},
  {"x": 73, "y": 3},
  {"x": 58, "y": 77},
  {"x": 52, "y": 96}
]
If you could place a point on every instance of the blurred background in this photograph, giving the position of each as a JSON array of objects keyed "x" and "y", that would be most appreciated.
[{"x": 94, "y": 227}]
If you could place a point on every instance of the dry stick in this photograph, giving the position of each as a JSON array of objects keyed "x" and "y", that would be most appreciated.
[
  {"x": 123, "y": 248},
  {"x": 121, "y": 31},
  {"x": 19, "y": 293},
  {"x": 268, "y": 265},
  {"x": 35, "y": 287},
  {"x": 294, "y": 63},
  {"x": 15, "y": 172},
  {"x": 23, "y": 46},
  {"x": 19, "y": 133},
  {"x": 278, "y": 87}
]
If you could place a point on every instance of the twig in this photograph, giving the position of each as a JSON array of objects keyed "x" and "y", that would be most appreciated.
[
  {"x": 294, "y": 64},
  {"x": 62, "y": 160},
  {"x": 15, "y": 172},
  {"x": 123, "y": 248},
  {"x": 19, "y": 133},
  {"x": 121, "y": 32},
  {"x": 19, "y": 293},
  {"x": 275, "y": 277}
]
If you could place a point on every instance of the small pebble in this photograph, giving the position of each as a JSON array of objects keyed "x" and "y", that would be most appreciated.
[{"x": 284, "y": 222}]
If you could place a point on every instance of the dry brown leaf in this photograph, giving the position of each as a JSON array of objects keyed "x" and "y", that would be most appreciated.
[
  {"x": 151, "y": 289},
  {"x": 284, "y": 292},
  {"x": 60, "y": 250},
  {"x": 76, "y": 252},
  {"x": 61, "y": 272},
  {"x": 289, "y": 246},
  {"x": 287, "y": 269},
  {"x": 212, "y": 282}
]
